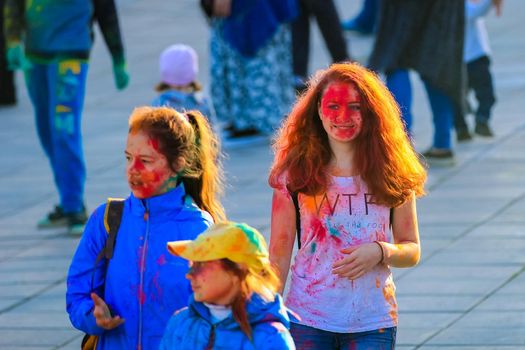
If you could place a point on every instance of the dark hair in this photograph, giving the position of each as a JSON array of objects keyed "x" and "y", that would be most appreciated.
[{"x": 190, "y": 137}]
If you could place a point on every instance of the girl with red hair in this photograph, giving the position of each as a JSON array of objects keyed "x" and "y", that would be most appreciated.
[{"x": 344, "y": 158}]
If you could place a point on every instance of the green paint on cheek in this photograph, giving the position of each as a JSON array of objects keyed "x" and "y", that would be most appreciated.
[{"x": 314, "y": 247}]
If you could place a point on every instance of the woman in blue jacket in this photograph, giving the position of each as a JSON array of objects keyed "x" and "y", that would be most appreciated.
[
  {"x": 174, "y": 177},
  {"x": 235, "y": 304}
]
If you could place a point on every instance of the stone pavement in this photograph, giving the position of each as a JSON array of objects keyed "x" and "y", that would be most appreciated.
[{"x": 468, "y": 292}]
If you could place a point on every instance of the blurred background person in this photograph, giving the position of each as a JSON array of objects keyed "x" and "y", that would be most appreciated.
[
  {"x": 178, "y": 87},
  {"x": 476, "y": 56},
  {"x": 251, "y": 65},
  {"x": 427, "y": 37},
  {"x": 327, "y": 18},
  {"x": 51, "y": 42}
]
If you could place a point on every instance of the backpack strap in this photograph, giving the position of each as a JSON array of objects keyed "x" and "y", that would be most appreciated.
[
  {"x": 112, "y": 219},
  {"x": 295, "y": 201}
]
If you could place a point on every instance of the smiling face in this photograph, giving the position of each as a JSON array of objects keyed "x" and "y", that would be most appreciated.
[
  {"x": 212, "y": 283},
  {"x": 340, "y": 111},
  {"x": 147, "y": 169}
]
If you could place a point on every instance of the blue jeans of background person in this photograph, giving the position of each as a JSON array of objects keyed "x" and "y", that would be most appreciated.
[
  {"x": 398, "y": 82},
  {"x": 306, "y": 337},
  {"x": 57, "y": 93},
  {"x": 367, "y": 17}
]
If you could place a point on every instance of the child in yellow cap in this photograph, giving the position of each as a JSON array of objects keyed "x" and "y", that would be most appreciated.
[{"x": 235, "y": 304}]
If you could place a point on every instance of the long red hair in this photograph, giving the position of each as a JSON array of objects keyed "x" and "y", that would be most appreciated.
[{"x": 384, "y": 157}]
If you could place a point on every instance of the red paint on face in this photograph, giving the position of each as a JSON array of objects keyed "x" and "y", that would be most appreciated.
[
  {"x": 147, "y": 169},
  {"x": 154, "y": 143},
  {"x": 340, "y": 111}
]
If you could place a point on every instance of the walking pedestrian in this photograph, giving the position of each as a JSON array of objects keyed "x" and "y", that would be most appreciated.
[
  {"x": 51, "y": 42},
  {"x": 477, "y": 58}
]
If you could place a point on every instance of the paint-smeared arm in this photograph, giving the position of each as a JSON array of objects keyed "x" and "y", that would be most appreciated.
[
  {"x": 405, "y": 251},
  {"x": 282, "y": 233}
]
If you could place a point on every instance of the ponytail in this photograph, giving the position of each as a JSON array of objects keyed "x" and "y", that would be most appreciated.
[{"x": 205, "y": 181}]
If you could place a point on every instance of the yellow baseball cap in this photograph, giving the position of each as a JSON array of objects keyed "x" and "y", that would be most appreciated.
[{"x": 237, "y": 242}]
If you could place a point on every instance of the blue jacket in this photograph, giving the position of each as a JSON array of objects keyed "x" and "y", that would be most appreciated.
[
  {"x": 191, "y": 327},
  {"x": 145, "y": 284}
]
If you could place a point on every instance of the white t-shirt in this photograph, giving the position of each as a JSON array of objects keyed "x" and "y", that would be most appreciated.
[
  {"x": 218, "y": 312},
  {"x": 340, "y": 218}
]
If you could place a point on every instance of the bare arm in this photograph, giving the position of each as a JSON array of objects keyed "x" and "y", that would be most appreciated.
[
  {"x": 282, "y": 235},
  {"x": 497, "y": 5},
  {"x": 405, "y": 251}
]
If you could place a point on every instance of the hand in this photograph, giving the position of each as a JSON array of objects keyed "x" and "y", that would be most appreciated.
[
  {"x": 358, "y": 261},
  {"x": 497, "y": 5},
  {"x": 103, "y": 315},
  {"x": 16, "y": 59},
  {"x": 121, "y": 75},
  {"x": 222, "y": 8}
]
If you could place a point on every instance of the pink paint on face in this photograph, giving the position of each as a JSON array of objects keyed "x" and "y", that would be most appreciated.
[
  {"x": 147, "y": 169},
  {"x": 340, "y": 111}
]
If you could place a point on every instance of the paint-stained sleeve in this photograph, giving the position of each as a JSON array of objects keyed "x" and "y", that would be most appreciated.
[
  {"x": 283, "y": 185},
  {"x": 13, "y": 13},
  {"x": 105, "y": 13},
  {"x": 83, "y": 277}
]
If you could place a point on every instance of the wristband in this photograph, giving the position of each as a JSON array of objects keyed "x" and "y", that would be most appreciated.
[{"x": 382, "y": 252}]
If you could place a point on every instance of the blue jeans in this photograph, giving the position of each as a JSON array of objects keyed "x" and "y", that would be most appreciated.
[
  {"x": 398, "y": 82},
  {"x": 368, "y": 15},
  {"x": 57, "y": 92},
  {"x": 306, "y": 337}
]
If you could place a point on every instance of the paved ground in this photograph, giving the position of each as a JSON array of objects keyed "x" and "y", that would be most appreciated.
[{"x": 468, "y": 292}]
